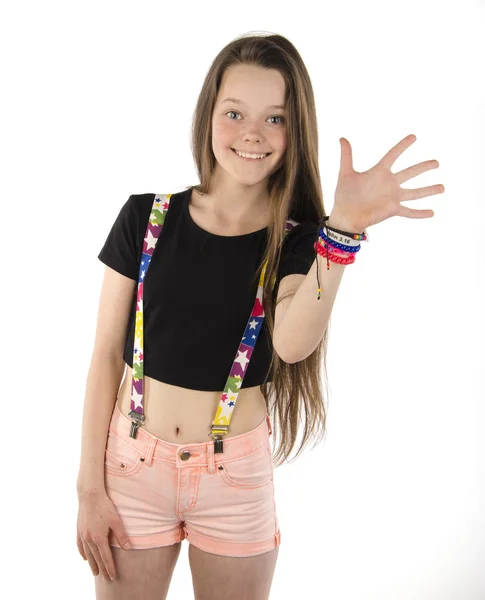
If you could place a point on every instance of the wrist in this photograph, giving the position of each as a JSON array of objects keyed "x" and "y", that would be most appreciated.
[{"x": 339, "y": 221}]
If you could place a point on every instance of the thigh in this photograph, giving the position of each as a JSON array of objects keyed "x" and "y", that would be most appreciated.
[
  {"x": 218, "y": 577},
  {"x": 139, "y": 574}
]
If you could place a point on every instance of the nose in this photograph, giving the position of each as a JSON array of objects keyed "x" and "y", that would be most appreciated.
[{"x": 252, "y": 133}]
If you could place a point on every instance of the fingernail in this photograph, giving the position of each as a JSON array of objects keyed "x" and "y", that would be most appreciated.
[{"x": 127, "y": 546}]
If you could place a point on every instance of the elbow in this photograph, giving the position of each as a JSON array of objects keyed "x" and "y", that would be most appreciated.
[
  {"x": 290, "y": 356},
  {"x": 284, "y": 354}
]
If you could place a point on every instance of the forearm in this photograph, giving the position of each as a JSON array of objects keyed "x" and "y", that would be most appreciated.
[
  {"x": 102, "y": 386},
  {"x": 306, "y": 318}
]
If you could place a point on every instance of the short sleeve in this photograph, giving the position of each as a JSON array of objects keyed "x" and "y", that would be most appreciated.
[
  {"x": 120, "y": 250},
  {"x": 298, "y": 252}
]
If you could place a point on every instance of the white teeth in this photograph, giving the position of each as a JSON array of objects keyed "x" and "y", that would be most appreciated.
[{"x": 246, "y": 155}]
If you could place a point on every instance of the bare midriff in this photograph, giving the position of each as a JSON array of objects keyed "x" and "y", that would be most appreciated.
[{"x": 183, "y": 416}]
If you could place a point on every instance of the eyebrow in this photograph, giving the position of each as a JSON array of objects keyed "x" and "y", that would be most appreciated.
[{"x": 236, "y": 101}]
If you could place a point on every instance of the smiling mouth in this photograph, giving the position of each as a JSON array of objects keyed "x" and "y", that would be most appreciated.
[{"x": 267, "y": 154}]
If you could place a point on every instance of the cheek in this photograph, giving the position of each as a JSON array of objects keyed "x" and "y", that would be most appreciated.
[
  {"x": 223, "y": 133},
  {"x": 279, "y": 142}
]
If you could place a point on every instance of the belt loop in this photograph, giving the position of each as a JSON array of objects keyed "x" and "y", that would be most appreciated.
[
  {"x": 149, "y": 452},
  {"x": 210, "y": 458},
  {"x": 268, "y": 421}
]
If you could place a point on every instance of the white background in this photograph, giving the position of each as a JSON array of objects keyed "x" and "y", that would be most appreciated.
[{"x": 97, "y": 104}]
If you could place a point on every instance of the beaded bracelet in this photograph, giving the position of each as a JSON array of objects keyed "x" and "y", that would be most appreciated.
[{"x": 341, "y": 250}]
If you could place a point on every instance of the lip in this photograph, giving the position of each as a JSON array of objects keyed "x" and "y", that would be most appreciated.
[{"x": 248, "y": 152}]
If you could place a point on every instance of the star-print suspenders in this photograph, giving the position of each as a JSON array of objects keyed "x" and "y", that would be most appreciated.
[{"x": 220, "y": 424}]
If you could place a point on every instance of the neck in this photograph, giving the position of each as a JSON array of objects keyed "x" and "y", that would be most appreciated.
[{"x": 231, "y": 200}]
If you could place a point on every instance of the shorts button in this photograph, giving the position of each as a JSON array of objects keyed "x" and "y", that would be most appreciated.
[{"x": 185, "y": 455}]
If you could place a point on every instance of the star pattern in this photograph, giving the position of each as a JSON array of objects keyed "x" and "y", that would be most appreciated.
[
  {"x": 150, "y": 240},
  {"x": 136, "y": 398},
  {"x": 242, "y": 359}
]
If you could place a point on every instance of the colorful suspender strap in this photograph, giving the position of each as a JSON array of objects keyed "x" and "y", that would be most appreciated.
[{"x": 220, "y": 424}]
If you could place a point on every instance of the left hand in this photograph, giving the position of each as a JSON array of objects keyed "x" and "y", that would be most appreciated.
[{"x": 364, "y": 199}]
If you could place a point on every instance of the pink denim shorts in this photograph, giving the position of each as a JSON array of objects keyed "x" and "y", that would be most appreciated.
[{"x": 164, "y": 492}]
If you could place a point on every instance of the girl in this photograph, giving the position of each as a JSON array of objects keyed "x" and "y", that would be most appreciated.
[{"x": 182, "y": 448}]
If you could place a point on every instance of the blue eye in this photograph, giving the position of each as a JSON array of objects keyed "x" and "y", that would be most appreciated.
[
  {"x": 278, "y": 117},
  {"x": 273, "y": 117}
]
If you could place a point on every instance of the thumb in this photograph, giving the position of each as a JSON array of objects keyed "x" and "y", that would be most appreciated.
[
  {"x": 346, "y": 162},
  {"x": 120, "y": 535}
]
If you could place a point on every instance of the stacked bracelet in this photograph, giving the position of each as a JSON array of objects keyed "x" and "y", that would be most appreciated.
[{"x": 337, "y": 246}]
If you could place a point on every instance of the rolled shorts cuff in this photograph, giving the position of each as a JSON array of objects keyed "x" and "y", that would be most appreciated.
[
  {"x": 237, "y": 549},
  {"x": 154, "y": 540},
  {"x": 202, "y": 542}
]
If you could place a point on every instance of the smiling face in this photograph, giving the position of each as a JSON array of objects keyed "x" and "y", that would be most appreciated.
[{"x": 249, "y": 122}]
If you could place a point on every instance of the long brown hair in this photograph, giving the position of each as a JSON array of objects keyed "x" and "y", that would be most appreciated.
[{"x": 294, "y": 192}]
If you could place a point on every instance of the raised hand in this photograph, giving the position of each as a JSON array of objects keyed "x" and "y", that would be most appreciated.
[{"x": 364, "y": 199}]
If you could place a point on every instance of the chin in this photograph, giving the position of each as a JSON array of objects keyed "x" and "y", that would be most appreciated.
[{"x": 248, "y": 180}]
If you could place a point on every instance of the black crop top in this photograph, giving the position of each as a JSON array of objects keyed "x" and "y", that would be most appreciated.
[{"x": 198, "y": 293}]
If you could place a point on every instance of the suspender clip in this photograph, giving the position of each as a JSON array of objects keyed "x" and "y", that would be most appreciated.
[
  {"x": 137, "y": 420},
  {"x": 217, "y": 433},
  {"x": 218, "y": 444}
]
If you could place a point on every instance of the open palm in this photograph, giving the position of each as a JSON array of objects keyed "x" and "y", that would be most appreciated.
[{"x": 367, "y": 198}]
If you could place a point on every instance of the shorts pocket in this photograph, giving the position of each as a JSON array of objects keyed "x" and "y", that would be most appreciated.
[
  {"x": 249, "y": 472},
  {"x": 121, "y": 458}
]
